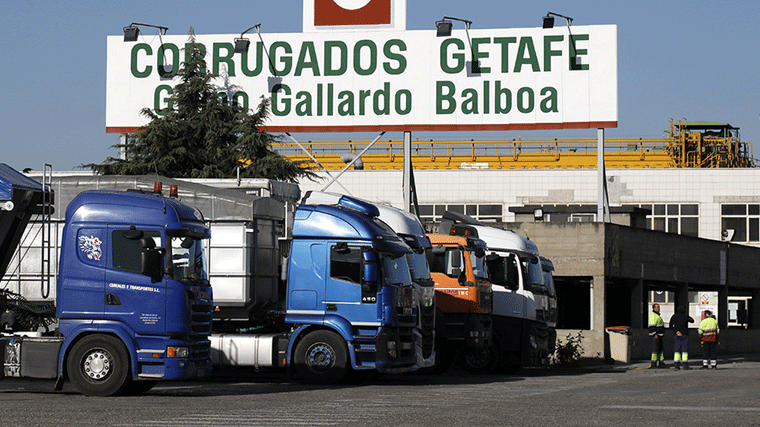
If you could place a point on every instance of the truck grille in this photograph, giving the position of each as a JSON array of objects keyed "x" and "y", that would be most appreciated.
[
  {"x": 405, "y": 306},
  {"x": 200, "y": 350},
  {"x": 427, "y": 326}
]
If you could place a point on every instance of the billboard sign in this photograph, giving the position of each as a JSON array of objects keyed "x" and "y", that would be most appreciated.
[{"x": 350, "y": 81}]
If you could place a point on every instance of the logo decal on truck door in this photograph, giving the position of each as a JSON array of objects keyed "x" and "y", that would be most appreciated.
[{"x": 90, "y": 245}]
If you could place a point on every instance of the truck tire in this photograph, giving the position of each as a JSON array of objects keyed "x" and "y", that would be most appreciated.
[
  {"x": 321, "y": 357},
  {"x": 98, "y": 365},
  {"x": 481, "y": 360}
]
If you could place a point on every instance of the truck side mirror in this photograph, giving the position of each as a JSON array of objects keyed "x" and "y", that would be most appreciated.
[
  {"x": 187, "y": 243},
  {"x": 370, "y": 276},
  {"x": 133, "y": 233},
  {"x": 150, "y": 263}
]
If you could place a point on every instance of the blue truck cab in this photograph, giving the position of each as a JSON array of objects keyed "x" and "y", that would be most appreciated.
[
  {"x": 348, "y": 291},
  {"x": 134, "y": 301},
  {"x": 408, "y": 227}
]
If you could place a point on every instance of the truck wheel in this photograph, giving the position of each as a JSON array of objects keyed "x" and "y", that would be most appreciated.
[
  {"x": 98, "y": 365},
  {"x": 321, "y": 357},
  {"x": 481, "y": 360}
]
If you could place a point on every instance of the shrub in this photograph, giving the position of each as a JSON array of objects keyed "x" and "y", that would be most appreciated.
[{"x": 567, "y": 353}]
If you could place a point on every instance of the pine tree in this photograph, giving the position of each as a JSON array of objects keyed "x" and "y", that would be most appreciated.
[{"x": 200, "y": 135}]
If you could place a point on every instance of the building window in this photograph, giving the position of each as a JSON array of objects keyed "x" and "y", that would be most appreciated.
[
  {"x": 740, "y": 222},
  {"x": 485, "y": 212},
  {"x": 673, "y": 218},
  {"x": 661, "y": 296}
]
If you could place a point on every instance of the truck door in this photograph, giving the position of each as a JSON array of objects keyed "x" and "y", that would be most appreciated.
[
  {"x": 517, "y": 300},
  {"x": 352, "y": 292},
  {"x": 82, "y": 274},
  {"x": 131, "y": 297}
]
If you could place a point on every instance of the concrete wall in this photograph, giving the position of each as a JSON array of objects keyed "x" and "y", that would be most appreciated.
[
  {"x": 732, "y": 341},
  {"x": 632, "y": 257}
]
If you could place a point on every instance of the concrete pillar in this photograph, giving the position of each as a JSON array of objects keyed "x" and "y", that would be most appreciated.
[
  {"x": 753, "y": 311},
  {"x": 407, "y": 178},
  {"x": 682, "y": 295},
  {"x": 638, "y": 304},
  {"x": 723, "y": 308},
  {"x": 597, "y": 303}
]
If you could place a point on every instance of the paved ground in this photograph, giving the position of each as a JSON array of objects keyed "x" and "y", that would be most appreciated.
[{"x": 595, "y": 395}]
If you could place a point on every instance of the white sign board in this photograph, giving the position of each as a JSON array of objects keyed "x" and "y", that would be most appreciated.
[{"x": 523, "y": 79}]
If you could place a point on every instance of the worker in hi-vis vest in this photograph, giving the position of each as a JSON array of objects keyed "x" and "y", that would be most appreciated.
[
  {"x": 657, "y": 331},
  {"x": 679, "y": 323},
  {"x": 708, "y": 335}
]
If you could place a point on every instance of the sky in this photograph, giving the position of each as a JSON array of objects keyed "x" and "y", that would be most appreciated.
[{"x": 694, "y": 60}]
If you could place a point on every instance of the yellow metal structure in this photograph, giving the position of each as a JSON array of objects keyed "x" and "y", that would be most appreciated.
[
  {"x": 692, "y": 145},
  {"x": 708, "y": 145}
]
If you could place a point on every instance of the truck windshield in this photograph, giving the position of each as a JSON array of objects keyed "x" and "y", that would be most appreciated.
[
  {"x": 188, "y": 260},
  {"x": 479, "y": 266},
  {"x": 396, "y": 271},
  {"x": 534, "y": 276},
  {"x": 418, "y": 267}
]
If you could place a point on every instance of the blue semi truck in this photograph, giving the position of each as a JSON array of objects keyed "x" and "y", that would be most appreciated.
[
  {"x": 134, "y": 303},
  {"x": 349, "y": 305}
]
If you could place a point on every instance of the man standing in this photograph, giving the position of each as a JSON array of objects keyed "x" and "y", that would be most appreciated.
[
  {"x": 708, "y": 335},
  {"x": 679, "y": 323},
  {"x": 656, "y": 331}
]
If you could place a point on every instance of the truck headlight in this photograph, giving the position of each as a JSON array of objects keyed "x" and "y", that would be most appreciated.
[
  {"x": 428, "y": 297},
  {"x": 182, "y": 352}
]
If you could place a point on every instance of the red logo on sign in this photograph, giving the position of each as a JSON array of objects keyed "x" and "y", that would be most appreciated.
[{"x": 352, "y": 12}]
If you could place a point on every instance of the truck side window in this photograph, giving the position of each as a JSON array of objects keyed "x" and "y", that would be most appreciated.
[
  {"x": 126, "y": 252},
  {"x": 346, "y": 263},
  {"x": 449, "y": 261}
]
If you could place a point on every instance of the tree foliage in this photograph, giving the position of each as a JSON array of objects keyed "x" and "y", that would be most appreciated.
[{"x": 201, "y": 135}]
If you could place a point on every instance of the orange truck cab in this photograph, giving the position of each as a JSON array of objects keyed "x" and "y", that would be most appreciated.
[{"x": 463, "y": 298}]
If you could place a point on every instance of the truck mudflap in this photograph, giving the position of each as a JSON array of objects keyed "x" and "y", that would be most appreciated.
[
  {"x": 539, "y": 344},
  {"x": 420, "y": 351}
]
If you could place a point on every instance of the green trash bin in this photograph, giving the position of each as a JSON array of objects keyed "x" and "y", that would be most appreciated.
[{"x": 620, "y": 343}]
